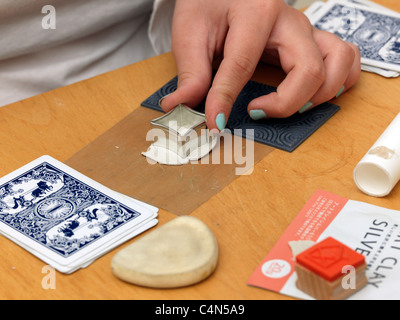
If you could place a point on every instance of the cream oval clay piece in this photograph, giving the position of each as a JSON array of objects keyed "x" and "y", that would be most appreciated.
[{"x": 182, "y": 252}]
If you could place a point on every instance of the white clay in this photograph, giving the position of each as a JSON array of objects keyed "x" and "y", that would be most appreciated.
[{"x": 159, "y": 153}]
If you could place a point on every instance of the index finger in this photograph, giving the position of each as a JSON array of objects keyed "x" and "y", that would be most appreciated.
[
  {"x": 192, "y": 57},
  {"x": 244, "y": 45}
]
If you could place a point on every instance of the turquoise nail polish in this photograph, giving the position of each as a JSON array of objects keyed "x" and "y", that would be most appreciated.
[
  {"x": 340, "y": 91},
  {"x": 307, "y": 106},
  {"x": 220, "y": 121},
  {"x": 257, "y": 114}
]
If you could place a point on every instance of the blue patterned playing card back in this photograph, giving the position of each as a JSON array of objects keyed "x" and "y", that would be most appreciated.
[
  {"x": 285, "y": 134},
  {"x": 375, "y": 32},
  {"x": 59, "y": 212}
]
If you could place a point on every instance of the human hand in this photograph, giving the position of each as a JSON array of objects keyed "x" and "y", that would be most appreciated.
[{"x": 240, "y": 33}]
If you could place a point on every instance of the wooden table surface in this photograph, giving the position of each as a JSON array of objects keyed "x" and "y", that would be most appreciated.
[{"x": 247, "y": 217}]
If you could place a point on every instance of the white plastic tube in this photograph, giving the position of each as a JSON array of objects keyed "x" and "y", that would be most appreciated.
[{"x": 379, "y": 170}]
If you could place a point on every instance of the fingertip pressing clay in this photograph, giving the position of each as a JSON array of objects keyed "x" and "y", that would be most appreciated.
[{"x": 182, "y": 252}]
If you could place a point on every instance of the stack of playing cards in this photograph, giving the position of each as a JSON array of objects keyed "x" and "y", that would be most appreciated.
[
  {"x": 64, "y": 218},
  {"x": 373, "y": 28}
]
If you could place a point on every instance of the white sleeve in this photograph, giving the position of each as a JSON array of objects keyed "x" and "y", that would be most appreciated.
[{"x": 161, "y": 24}]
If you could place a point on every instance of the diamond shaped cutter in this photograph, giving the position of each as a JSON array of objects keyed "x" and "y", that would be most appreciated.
[{"x": 182, "y": 126}]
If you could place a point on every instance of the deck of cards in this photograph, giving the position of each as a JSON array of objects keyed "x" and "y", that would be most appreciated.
[
  {"x": 65, "y": 218},
  {"x": 373, "y": 28}
]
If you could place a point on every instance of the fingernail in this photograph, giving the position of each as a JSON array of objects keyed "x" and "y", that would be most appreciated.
[
  {"x": 159, "y": 101},
  {"x": 257, "y": 114},
  {"x": 340, "y": 92},
  {"x": 220, "y": 121},
  {"x": 304, "y": 108}
]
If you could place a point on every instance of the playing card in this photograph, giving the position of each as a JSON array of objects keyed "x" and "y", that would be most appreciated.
[
  {"x": 65, "y": 218},
  {"x": 383, "y": 72},
  {"x": 371, "y": 4},
  {"x": 373, "y": 28}
]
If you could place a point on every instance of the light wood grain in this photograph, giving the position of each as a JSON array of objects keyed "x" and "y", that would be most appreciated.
[{"x": 247, "y": 216}]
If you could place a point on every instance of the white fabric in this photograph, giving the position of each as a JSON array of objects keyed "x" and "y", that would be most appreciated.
[
  {"x": 161, "y": 25},
  {"x": 91, "y": 37}
]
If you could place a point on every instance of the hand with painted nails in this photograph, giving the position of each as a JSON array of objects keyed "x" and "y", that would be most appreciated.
[{"x": 233, "y": 36}]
